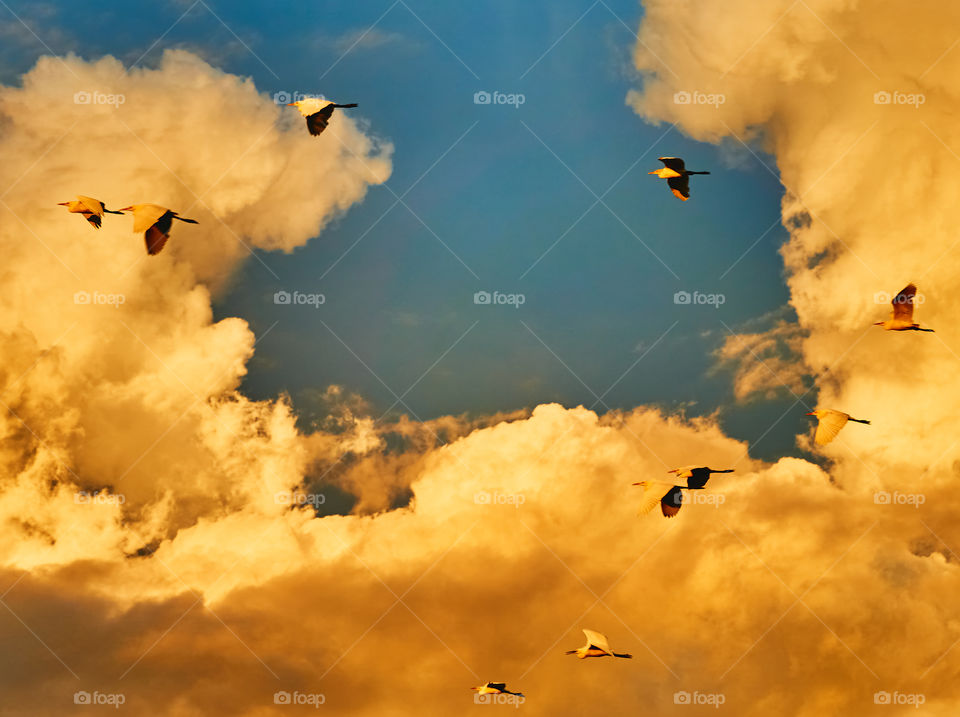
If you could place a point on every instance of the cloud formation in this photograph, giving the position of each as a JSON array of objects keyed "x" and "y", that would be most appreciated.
[{"x": 212, "y": 586}]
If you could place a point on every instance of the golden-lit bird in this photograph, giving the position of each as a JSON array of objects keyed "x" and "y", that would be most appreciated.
[
  {"x": 495, "y": 688},
  {"x": 901, "y": 318},
  {"x": 670, "y": 495},
  {"x": 91, "y": 209},
  {"x": 317, "y": 112},
  {"x": 829, "y": 423},
  {"x": 154, "y": 221},
  {"x": 677, "y": 176},
  {"x": 597, "y": 646}
]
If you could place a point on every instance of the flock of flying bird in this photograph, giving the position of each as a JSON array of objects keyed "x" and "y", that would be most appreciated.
[{"x": 155, "y": 221}]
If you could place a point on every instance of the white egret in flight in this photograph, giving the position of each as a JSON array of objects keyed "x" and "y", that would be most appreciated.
[
  {"x": 495, "y": 688},
  {"x": 91, "y": 209},
  {"x": 670, "y": 495},
  {"x": 676, "y": 175},
  {"x": 829, "y": 423},
  {"x": 154, "y": 221},
  {"x": 597, "y": 646},
  {"x": 901, "y": 318},
  {"x": 317, "y": 112}
]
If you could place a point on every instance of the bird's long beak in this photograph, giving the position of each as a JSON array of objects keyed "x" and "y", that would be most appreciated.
[
  {"x": 126, "y": 209},
  {"x": 293, "y": 104},
  {"x": 652, "y": 172},
  {"x": 879, "y": 323},
  {"x": 811, "y": 413},
  {"x": 62, "y": 204}
]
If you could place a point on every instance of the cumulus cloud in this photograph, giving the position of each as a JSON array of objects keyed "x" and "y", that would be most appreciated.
[
  {"x": 766, "y": 362},
  {"x": 478, "y": 547}
]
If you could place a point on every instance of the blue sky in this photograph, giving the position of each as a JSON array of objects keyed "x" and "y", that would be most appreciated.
[{"x": 486, "y": 192}]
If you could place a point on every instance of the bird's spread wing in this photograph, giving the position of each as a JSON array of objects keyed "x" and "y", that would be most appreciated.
[
  {"x": 595, "y": 639},
  {"x": 680, "y": 186},
  {"x": 317, "y": 122},
  {"x": 497, "y": 685},
  {"x": 903, "y": 303},
  {"x": 146, "y": 215},
  {"x": 94, "y": 219},
  {"x": 94, "y": 206},
  {"x": 155, "y": 240},
  {"x": 674, "y": 163},
  {"x": 829, "y": 427},
  {"x": 671, "y": 502},
  {"x": 653, "y": 491}
]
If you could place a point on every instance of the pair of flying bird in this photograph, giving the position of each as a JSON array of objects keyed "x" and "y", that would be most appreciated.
[
  {"x": 669, "y": 494},
  {"x": 151, "y": 219},
  {"x": 597, "y": 646}
]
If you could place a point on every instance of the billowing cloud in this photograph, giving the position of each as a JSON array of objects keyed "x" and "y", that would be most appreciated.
[{"x": 167, "y": 540}]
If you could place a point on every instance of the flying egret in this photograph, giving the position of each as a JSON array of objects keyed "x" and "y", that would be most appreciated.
[
  {"x": 91, "y": 209},
  {"x": 670, "y": 495},
  {"x": 676, "y": 175},
  {"x": 901, "y": 318},
  {"x": 597, "y": 646},
  {"x": 829, "y": 423},
  {"x": 154, "y": 221},
  {"x": 317, "y": 112},
  {"x": 495, "y": 688}
]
